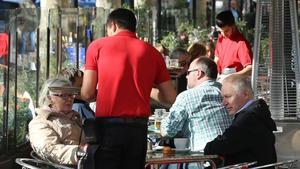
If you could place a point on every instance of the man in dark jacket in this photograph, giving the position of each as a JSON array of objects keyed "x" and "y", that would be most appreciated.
[{"x": 250, "y": 136}]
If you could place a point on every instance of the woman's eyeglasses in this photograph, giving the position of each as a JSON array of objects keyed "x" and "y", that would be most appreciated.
[{"x": 64, "y": 96}]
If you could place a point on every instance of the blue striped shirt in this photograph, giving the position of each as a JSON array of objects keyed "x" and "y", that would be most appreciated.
[{"x": 199, "y": 114}]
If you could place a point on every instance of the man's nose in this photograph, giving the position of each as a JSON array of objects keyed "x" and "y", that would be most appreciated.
[{"x": 224, "y": 102}]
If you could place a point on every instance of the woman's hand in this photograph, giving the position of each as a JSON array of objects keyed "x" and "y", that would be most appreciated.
[{"x": 83, "y": 147}]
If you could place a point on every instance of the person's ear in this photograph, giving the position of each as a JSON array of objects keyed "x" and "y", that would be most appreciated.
[
  {"x": 113, "y": 26},
  {"x": 245, "y": 94},
  {"x": 200, "y": 74}
]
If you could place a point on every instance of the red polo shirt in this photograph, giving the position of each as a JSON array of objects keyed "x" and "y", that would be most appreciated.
[
  {"x": 3, "y": 44},
  {"x": 127, "y": 69},
  {"x": 234, "y": 52}
]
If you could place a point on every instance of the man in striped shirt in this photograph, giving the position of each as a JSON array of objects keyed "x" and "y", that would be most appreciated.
[{"x": 198, "y": 112}]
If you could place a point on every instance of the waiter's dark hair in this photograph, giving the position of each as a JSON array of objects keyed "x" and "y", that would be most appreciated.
[
  {"x": 124, "y": 18},
  {"x": 225, "y": 18}
]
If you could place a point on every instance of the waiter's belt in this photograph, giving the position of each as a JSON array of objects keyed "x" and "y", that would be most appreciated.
[{"x": 123, "y": 120}]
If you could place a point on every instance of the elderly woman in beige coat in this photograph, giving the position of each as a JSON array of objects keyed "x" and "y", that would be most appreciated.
[{"x": 56, "y": 133}]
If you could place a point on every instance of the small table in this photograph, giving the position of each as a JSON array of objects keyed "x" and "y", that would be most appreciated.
[{"x": 157, "y": 158}]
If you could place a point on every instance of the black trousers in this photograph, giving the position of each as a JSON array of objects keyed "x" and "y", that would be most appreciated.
[{"x": 122, "y": 143}]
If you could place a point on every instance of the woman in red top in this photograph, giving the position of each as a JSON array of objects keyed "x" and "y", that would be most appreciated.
[
  {"x": 233, "y": 51},
  {"x": 3, "y": 48}
]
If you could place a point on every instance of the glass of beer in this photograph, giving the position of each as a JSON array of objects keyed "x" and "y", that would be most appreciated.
[
  {"x": 158, "y": 114},
  {"x": 157, "y": 123}
]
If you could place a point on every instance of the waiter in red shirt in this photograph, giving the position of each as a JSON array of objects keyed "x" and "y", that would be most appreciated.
[
  {"x": 125, "y": 69},
  {"x": 233, "y": 52}
]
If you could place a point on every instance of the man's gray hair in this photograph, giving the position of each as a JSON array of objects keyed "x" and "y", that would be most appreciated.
[
  {"x": 208, "y": 66},
  {"x": 240, "y": 83},
  {"x": 55, "y": 82}
]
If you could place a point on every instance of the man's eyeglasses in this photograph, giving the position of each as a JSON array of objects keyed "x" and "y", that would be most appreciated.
[
  {"x": 189, "y": 71},
  {"x": 64, "y": 96}
]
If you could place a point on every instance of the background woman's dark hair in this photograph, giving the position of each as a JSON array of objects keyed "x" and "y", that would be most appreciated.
[
  {"x": 124, "y": 18},
  {"x": 177, "y": 52},
  {"x": 196, "y": 50}
]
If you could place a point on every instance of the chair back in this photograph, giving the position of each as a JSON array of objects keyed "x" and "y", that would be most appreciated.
[
  {"x": 283, "y": 164},
  {"x": 244, "y": 165},
  {"x": 28, "y": 163}
]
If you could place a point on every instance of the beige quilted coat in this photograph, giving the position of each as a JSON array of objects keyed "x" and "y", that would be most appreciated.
[{"x": 55, "y": 136}]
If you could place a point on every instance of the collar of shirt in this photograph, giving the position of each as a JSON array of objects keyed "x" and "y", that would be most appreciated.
[
  {"x": 126, "y": 33},
  {"x": 236, "y": 34},
  {"x": 245, "y": 106},
  {"x": 204, "y": 83}
]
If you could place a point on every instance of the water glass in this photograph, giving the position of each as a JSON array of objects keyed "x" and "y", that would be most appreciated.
[
  {"x": 174, "y": 63},
  {"x": 159, "y": 112}
]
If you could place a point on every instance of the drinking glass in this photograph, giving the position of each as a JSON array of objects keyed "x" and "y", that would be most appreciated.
[
  {"x": 174, "y": 63},
  {"x": 158, "y": 115}
]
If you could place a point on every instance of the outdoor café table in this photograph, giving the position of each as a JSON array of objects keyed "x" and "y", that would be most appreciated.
[{"x": 158, "y": 158}]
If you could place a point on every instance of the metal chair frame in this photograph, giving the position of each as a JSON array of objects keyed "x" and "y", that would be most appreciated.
[
  {"x": 239, "y": 165},
  {"x": 283, "y": 164},
  {"x": 36, "y": 161},
  {"x": 28, "y": 163}
]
